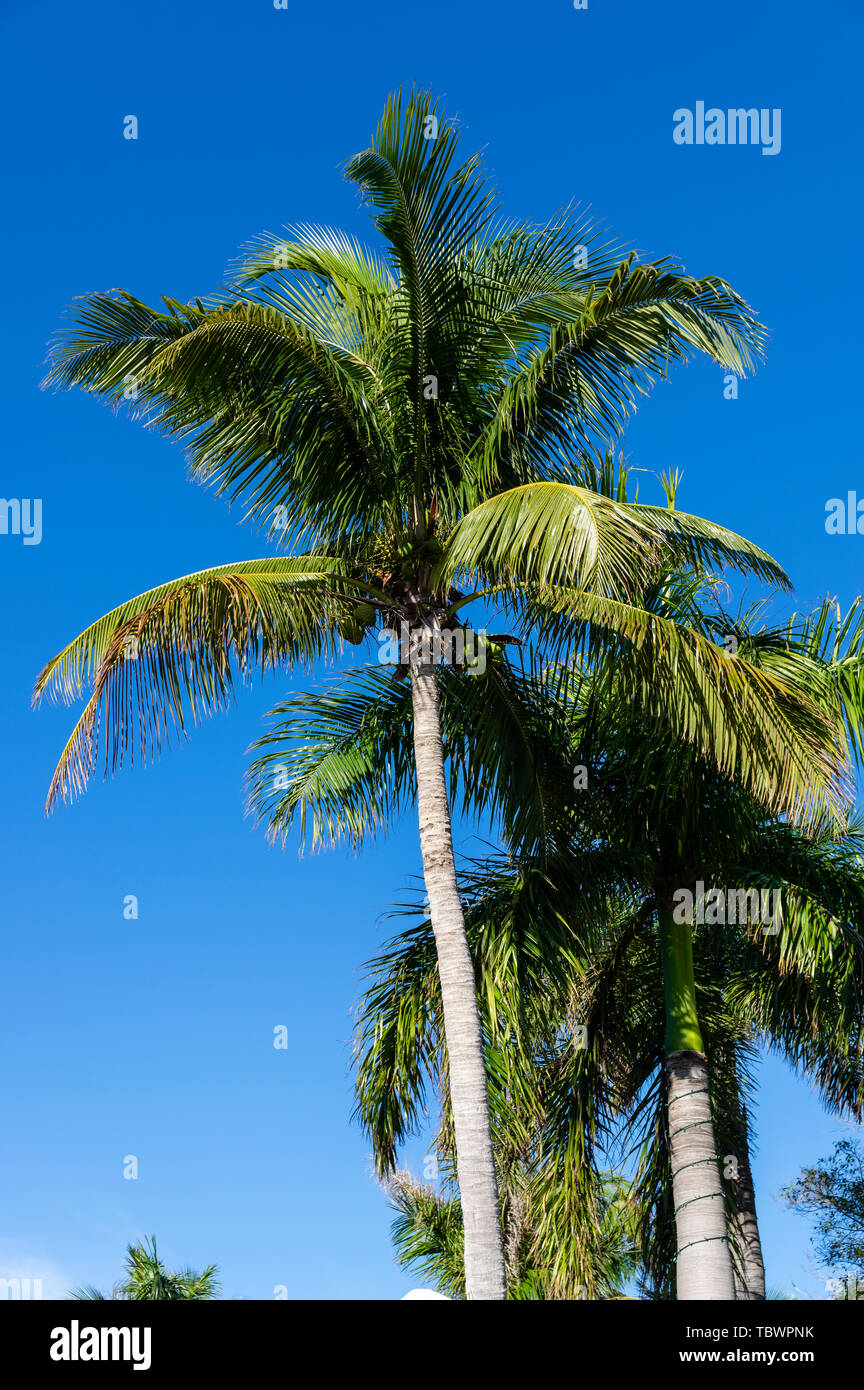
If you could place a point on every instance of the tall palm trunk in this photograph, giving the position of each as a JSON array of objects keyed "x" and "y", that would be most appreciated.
[
  {"x": 485, "y": 1271},
  {"x": 750, "y": 1269},
  {"x": 704, "y": 1265}
]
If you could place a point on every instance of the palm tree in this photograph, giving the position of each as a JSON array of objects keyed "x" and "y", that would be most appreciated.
[
  {"x": 677, "y": 813},
  {"x": 363, "y": 404},
  {"x": 147, "y": 1278},
  {"x": 427, "y": 1234},
  {"x": 574, "y": 1018}
]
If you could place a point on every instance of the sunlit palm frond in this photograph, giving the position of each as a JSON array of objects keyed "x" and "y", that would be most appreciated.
[
  {"x": 171, "y": 654},
  {"x": 555, "y": 533}
]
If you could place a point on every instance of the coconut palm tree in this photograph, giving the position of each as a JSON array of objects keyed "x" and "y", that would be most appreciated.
[
  {"x": 147, "y": 1278},
  {"x": 362, "y": 404}
]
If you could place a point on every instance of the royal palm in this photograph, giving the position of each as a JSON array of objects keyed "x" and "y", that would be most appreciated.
[{"x": 652, "y": 812}]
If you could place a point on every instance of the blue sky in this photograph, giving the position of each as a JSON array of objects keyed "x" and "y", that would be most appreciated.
[{"x": 154, "y": 1037}]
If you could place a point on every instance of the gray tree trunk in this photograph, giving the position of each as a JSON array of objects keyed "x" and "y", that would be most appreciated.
[
  {"x": 485, "y": 1271},
  {"x": 750, "y": 1277},
  {"x": 704, "y": 1266}
]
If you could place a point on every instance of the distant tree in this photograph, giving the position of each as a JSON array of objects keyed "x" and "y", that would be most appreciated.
[
  {"x": 833, "y": 1192},
  {"x": 147, "y": 1278},
  {"x": 428, "y": 1237}
]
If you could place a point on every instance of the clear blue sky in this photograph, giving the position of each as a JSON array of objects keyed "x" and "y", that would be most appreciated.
[{"x": 154, "y": 1037}]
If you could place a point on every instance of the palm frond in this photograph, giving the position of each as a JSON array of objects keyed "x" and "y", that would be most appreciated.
[
  {"x": 555, "y": 533},
  {"x": 170, "y": 655}
]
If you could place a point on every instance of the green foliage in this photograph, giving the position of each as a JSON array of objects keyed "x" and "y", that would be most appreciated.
[
  {"x": 439, "y": 409},
  {"x": 146, "y": 1278},
  {"x": 562, "y": 927},
  {"x": 832, "y": 1192},
  {"x": 427, "y": 1235},
  {"x": 171, "y": 655},
  {"x": 300, "y": 393}
]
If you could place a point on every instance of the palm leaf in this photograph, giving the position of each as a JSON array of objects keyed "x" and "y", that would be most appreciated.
[{"x": 170, "y": 655}]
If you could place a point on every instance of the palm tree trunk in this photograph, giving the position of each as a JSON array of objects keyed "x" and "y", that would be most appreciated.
[
  {"x": 750, "y": 1277},
  {"x": 704, "y": 1267},
  {"x": 485, "y": 1271}
]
